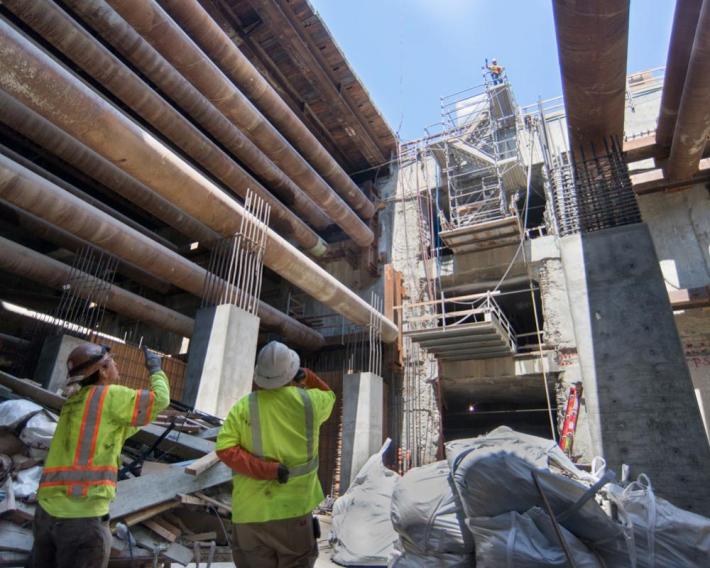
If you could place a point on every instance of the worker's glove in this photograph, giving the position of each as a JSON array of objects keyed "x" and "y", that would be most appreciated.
[
  {"x": 282, "y": 473},
  {"x": 152, "y": 361}
]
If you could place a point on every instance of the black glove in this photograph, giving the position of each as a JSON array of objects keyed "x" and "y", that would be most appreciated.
[
  {"x": 152, "y": 361},
  {"x": 282, "y": 473}
]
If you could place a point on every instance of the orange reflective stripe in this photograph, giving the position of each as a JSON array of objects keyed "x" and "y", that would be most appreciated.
[
  {"x": 78, "y": 479},
  {"x": 78, "y": 476},
  {"x": 97, "y": 423},
  {"x": 90, "y": 426},
  {"x": 143, "y": 407},
  {"x": 82, "y": 431}
]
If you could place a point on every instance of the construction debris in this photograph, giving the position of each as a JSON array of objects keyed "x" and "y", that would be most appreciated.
[
  {"x": 511, "y": 499},
  {"x": 165, "y": 509}
]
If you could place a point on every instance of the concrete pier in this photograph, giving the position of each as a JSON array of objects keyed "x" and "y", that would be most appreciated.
[
  {"x": 221, "y": 359},
  {"x": 638, "y": 391},
  {"x": 362, "y": 423}
]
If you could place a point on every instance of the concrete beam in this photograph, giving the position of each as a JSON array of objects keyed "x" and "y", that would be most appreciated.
[
  {"x": 657, "y": 180},
  {"x": 689, "y": 298}
]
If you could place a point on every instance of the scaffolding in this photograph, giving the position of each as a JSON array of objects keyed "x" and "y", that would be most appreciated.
[{"x": 479, "y": 155}]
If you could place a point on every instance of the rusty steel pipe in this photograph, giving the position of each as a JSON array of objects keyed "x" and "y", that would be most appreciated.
[
  {"x": 45, "y": 270},
  {"x": 40, "y": 228},
  {"x": 43, "y": 133},
  {"x": 55, "y": 26},
  {"x": 65, "y": 185},
  {"x": 692, "y": 126},
  {"x": 28, "y": 191},
  {"x": 685, "y": 20},
  {"x": 175, "y": 45},
  {"x": 131, "y": 45},
  {"x": 592, "y": 44},
  {"x": 35, "y": 79},
  {"x": 223, "y": 51}
]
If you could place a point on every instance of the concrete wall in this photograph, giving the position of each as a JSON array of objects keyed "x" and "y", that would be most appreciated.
[
  {"x": 680, "y": 227},
  {"x": 638, "y": 389},
  {"x": 420, "y": 415}
]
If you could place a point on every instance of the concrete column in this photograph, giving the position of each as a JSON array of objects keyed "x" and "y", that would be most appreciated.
[
  {"x": 362, "y": 423},
  {"x": 51, "y": 370},
  {"x": 221, "y": 359},
  {"x": 639, "y": 395}
]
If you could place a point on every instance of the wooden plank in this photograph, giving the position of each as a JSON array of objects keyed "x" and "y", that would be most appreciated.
[
  {"x": 212, "y": 535},
  {"x": 149, "y": 512},
  {"x": 191, "y": 500},
  {"x": 216, "y": 502},
  {"x": 140, "y": 492},
  {"x": 177, "y": 443},
  {"x": 160, "y": 530},
  {"x": 203, "y": 464}
]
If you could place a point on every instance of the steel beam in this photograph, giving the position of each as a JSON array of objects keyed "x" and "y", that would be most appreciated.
[
  {"x": 28, "y": 191},
  {"x": 592, "y": 43},
  {"x": 175, "y": 45},
  {"x": 685, "y": 20},
  {"x": 223, "y": 51},
  {"x": 692, "y": 127},
  {"x": 35, "y": 266},
  {"x": 35, "y": 79}
]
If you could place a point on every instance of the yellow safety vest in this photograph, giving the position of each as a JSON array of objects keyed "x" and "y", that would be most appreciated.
[
  {"x": 280, "y": 425},
  {"x": 79, "y": 477}
]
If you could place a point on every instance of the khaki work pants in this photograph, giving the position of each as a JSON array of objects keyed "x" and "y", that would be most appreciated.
[
  {"x": 70, "y": 543},
  {"x": 287, "y": 543}
]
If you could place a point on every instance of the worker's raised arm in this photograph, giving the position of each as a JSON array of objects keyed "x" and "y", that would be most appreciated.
[
  {"x": 313, "y": 381},
  {"x": 322, "y": 396},
  {"x": 138, "y": 407}
]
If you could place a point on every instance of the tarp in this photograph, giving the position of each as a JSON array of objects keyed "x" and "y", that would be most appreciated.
[
  {"x": 664, "y": 535},
  {"x": 425, "y": 512},
  {"x": 362, "y": 533},
  {"x": 401, "y": 558},
  {"x": 513, "y": 540},
  {"x": 15, "y": 412}
]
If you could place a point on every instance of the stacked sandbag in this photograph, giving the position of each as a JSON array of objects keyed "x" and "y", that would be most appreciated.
[
  {"x": 510, "y": 540},
  {"x": 429, "y": 520},
  {"x": 493, "y": 476},
  {"x": 362, "y": 533},
  {"x": 663, "y": 534}
]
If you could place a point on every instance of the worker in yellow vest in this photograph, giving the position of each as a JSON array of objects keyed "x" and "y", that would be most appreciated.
[
  {"x": 270, "y": 440},
  {"x": 496, "y": 71},
  {"x": 79, "y": 478}
]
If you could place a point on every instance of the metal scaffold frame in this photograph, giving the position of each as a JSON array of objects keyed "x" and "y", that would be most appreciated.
[{"x": 482, "y": 160}]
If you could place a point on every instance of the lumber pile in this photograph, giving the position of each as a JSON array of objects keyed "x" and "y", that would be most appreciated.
[{"x": 174, "y": 505}]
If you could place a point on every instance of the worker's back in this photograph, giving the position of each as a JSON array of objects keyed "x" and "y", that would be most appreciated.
[{"x": 280, "y": 433}]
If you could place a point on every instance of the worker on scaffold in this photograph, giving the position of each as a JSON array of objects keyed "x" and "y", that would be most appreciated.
[{"x": 495, "y": 71}]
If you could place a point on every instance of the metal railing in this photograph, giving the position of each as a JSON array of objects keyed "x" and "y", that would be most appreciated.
[{"x": 433, "y": 314}]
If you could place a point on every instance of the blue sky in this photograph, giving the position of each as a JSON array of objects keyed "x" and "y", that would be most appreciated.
[{"x": 409, "y": 53}]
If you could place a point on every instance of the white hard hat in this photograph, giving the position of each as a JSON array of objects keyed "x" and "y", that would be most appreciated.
[{"x": 276, "y": 365}]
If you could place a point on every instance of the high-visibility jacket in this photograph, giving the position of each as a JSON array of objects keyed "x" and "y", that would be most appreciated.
[
  {"x": 280, "y": 425},
  {"x": 79, "y": 477}
]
